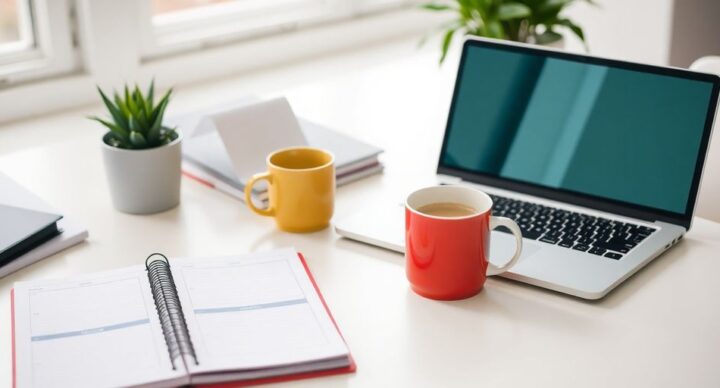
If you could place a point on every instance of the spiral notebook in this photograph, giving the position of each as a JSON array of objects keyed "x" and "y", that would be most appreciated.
[{"x": 176, "y": 322}]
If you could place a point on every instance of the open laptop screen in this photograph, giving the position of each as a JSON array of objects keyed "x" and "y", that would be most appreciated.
[{"x": 563, "y": 122}]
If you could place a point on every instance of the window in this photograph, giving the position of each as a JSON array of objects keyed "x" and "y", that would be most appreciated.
[
  {"x": 162, "y": 7},
  {"x": 177, "y": 41},
  {"x": 181, "y": 25},
  {"x": 32, "y": 43},
  {"x": 37, "y": 41},
  {"x": 15, "y": 26}
]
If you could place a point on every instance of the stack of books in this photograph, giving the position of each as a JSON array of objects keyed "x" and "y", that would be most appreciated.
[
  {"x": 206, "y": 160},
  {"x": 223, "y": 150}
]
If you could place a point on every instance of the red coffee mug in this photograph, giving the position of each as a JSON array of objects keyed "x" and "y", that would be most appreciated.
[{"x": 446, "y": 257}]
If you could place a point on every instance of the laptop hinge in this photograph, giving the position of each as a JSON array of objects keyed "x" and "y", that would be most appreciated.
[
  {"x": 448, "y": 179},
  {"x": 452, "y": 180}
]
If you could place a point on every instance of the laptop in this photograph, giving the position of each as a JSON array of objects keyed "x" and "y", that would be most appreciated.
[{"x": 599, "y": 161}]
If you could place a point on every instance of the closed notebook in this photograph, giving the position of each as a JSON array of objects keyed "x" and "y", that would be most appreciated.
[
  {"x": 70, "y": 233},
  {"x": 249, "y": 320},
  {"x": 21, "y": 230}
]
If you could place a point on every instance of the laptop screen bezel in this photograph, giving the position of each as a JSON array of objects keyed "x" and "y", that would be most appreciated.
[{"x": 574, "y": 197}]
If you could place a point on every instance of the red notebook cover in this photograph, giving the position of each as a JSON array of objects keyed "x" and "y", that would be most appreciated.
[
  {"x": 278, "y": 379},
  {"x": 12, "y": 331}
]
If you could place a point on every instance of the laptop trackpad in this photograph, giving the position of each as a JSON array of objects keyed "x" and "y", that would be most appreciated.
[{"x": 502, "y": 247}]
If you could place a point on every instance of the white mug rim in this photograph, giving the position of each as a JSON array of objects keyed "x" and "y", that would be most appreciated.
[{"x": 472, "y": 191}]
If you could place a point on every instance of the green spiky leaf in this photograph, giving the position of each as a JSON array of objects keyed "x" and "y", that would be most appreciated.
[
  {"x": 115, "y": 112},
  {"x": 116, "y": 130},
  {"x": 160, "y": 109},
  {"x": 132, "y": 124},
  {"x": 447, "y": 39},
  {"x": 143, "y": 116},
  {"x": 150, "y": 96},
  {"x": 136, "y": 122},
  {"x": 127, "y": 95},
  {"x": 138, "y": 140},
  {"x": 122, "y": 106}
]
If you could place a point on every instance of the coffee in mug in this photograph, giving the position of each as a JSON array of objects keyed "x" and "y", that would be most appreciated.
[{"x": 447, "y": 209}]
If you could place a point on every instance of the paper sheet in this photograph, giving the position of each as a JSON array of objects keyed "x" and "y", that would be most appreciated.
[
  {"x": 253, "y": 131},
  {"x": 253, "y": 312},
  {"x": 91, "y": 331}
]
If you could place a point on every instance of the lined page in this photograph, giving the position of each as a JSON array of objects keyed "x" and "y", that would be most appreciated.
[
  {"x": 90, "y": 331},
  {"x": 255, "y": 311}
]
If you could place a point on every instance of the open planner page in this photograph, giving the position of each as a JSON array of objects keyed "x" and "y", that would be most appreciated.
[
  {"x": 99, "y": 330},
  {"x": 253, "y": 312}
]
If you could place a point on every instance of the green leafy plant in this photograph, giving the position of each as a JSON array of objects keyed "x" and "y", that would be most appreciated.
[
  {"x": 528, "y": 21},
  {"x": 135, "y": 120}
]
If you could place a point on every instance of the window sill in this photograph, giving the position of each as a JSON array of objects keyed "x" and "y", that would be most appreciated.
[{"x": 56, "y": 94}]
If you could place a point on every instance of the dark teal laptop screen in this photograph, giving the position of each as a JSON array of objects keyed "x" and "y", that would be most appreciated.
[{"x": 604, "y": 131}]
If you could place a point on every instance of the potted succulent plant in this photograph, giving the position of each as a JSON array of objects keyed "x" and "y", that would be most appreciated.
[
  {"x": 527, "y": 21},
  {"x": 142, "y": 156}
]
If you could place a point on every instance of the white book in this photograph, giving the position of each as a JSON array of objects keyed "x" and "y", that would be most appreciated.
[{"x": 174, "y": 323}]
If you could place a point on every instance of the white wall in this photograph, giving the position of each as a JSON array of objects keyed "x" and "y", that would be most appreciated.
[{"x": 635, "y": 30}]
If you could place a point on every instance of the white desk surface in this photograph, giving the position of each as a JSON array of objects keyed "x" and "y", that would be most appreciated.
[{"x": 659, "y": 329}]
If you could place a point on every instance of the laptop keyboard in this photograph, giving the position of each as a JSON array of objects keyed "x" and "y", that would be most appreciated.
[{"x": 596, "y": 235}]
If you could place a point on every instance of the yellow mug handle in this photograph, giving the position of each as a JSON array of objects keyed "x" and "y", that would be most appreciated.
[{"x": 248, "y": 194}]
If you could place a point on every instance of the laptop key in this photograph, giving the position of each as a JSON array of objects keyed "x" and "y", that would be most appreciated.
[
  {"x": 584, "y": 240},
  {"x": 549, "y": 239},
  {"x": 552, "y": 233},
  {"x": 581, "y": 247},
  {"x": 645, "y": 230},
  {"x": 612, "y": 255},
  {"x": 616, "y": 244},
  {"x": 533, "y": 233},
  {"x": 566, "y": 243},
  {"x": 597, "y": 251}
]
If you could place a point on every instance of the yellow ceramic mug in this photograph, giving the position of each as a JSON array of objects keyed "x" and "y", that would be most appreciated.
[{"x": 301, "y": 184}]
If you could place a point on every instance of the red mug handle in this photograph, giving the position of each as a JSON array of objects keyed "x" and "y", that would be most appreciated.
[{"x": 515, "y": 229}]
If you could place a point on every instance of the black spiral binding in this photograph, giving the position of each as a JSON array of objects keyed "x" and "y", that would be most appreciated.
[{"x": 172, "y": 319}]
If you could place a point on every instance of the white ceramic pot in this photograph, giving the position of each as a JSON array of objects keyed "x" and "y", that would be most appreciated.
[{"x": 144, "y": 181}]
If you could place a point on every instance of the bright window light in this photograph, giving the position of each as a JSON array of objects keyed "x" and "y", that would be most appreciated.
[
  {"x": 173, "y": 26},
  {"x": 16, "y": 32},
  {"x": 35, "y": 40},
  {"x": 161, "y": 7}
]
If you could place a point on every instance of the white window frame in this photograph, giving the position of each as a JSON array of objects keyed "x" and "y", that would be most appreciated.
[
  {"x": 11, "y": 52},
  {"x": 46, "y": 47},
  {"x": 220, "y": 24},
  {"x": 111, "y": 38}
]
